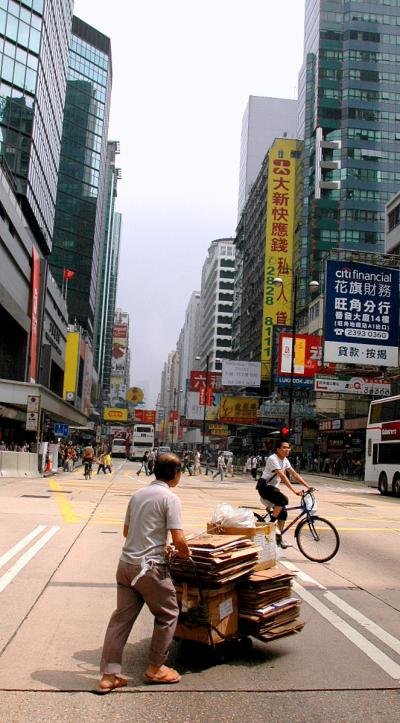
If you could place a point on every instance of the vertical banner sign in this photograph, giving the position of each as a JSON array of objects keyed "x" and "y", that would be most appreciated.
[
  {"x": 361, "y": 314},
  {"x": 277, "y": 305},
  {"x": 35, "y": 290}
]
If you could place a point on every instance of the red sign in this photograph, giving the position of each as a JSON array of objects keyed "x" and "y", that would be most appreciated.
[
  {"x": 173, "y": 415},
  {"x": 308, "y": 355},
  {"x": 198, "y": 381},
  {"x": 390, "y": 430},
  {"x": 148, "y": 416},
  {"x": 35, "y": 286}
]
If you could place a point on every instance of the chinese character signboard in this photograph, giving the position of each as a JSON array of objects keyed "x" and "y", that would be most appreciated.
[
  {"x": 353, "y": 385},
  {"x": 148, "y": 416},
  {"x": 361, "y": 314},
  {"x": 205, "y": 386},
  {"x": 277, "y": 304},
  {"x": 241, "y": 373},
  {"x": 239, "y": 410},
  {"x": 112, "y": 414}
]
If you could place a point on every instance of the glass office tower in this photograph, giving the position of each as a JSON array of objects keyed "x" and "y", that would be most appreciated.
[
  {"x": 107, "y": 288},
  {"x": 34, "y": 42},
  {"x": 79, "y": 219},
  {"x": 349, "y": 118}
]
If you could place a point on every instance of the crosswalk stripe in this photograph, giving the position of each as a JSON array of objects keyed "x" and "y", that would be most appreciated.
[
  {"x": 21, "y": 544},
  {"x": 25, "y": 558}
]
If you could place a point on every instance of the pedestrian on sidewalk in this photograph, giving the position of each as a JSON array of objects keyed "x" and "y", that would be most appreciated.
[
  {"x": 208, "y": 463},
  {"x": 102, "y": 465},
  {"x": 254, "y": 466},
  {"x": 143, "y": 576}
]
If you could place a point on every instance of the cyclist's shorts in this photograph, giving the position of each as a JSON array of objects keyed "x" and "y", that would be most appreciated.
[{"x": 272, "y": 494}]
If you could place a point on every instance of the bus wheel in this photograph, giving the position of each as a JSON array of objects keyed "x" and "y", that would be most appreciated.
[
  {"x": 396, "y": 486},
  {"x": 383, "y": 484}
]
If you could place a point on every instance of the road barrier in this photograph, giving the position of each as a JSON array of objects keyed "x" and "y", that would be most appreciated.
[{"x": 19, "y": 464}]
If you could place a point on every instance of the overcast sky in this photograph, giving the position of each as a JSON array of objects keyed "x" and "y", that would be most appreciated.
[{"x": 182, "y": 74}]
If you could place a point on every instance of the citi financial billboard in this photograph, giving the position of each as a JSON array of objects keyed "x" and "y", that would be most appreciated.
[{"x": 361, "y": 314}]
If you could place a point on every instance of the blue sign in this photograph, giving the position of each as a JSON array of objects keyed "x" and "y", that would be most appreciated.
[
  {"x": 361, "y": 314},
  {"x": 298, "y": 382},
  {"x": 61, "y": 430}
]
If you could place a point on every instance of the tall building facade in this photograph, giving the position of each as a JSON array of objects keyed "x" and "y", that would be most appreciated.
[
  {"x": 81, "y": 192},
  {"x": 216, "y": 300},
  {"x": 34, "y": 42},
  {"x": 348, "y": 116},
  {"x": 264, "y": 119},
  {"x": 188, "y": 345},
  {"x": 107, "y": 288}
]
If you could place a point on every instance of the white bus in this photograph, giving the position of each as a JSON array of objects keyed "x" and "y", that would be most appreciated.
[
  {"x": 142, "y": 440},
  {"x": 382, "y": 452},
  {"x": 118, "y": 447}
]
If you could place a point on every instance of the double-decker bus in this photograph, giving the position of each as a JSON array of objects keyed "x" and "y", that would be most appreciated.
[
  {"x": 382, "y": 452},
  {"x": 142, "y": 440}
]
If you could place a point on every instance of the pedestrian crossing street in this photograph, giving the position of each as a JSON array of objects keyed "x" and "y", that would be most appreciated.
[{"x": 103, "y": 500}]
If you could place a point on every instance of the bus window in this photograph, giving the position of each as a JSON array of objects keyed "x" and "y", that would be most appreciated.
[{"x": 375, "y": 453}]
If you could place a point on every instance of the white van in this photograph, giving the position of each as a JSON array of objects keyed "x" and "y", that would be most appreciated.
[{"x": 118, "y": 447}]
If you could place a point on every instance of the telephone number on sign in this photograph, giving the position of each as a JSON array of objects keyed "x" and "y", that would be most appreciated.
[{"x": 367, "y": 334}]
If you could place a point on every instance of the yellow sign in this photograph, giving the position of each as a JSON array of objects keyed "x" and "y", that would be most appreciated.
[
  {"x": 239, "y": 410},
  {"x": 281, "y": 191},
  {"x": 134, "y": 395},
  {"x": 113, "y": 414},
  {"x": 71, "y": 365}
]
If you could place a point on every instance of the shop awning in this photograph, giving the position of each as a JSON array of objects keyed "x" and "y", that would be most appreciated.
[{"x": 13, "y": 396}]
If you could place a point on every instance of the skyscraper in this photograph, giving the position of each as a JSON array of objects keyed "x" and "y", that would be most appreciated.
[
  {"x": 264, "y": 120},
  {"x": 216, "y": 303},
  {"x": 348, "y": 116},
  {"x": 34, "y": 42},
  {"x": 78, "y": 228},
  {"x": 107, "y": 288}
]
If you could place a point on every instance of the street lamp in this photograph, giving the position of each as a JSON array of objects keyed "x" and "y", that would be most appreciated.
[
  {"x": 205, "y": 401},
  {"x": 314, "y": 286}
]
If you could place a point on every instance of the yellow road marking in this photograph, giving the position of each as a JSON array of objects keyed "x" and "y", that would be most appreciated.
[{"x": 64, "y": 505}]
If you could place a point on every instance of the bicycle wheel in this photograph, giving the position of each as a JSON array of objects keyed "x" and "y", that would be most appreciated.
[{"x": 317, "y": 539}]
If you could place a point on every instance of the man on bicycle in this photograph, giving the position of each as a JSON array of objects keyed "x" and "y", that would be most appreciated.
[
  {"x": 88, "y": 457},
  {"x": 274, "y": 473}
]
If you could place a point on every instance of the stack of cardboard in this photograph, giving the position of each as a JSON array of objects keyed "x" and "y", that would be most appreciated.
[
  {"x": 208, "y": 617},
  {"x": 267, "y": 608},
  {"x": 217, "y": 559}
]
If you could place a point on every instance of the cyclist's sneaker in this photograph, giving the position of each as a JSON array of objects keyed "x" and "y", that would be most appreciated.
[{"x": 282, "y": 543}]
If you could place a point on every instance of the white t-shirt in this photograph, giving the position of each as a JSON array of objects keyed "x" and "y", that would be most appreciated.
[
  {"x": 273, "y": 463},
  {"x": 151, "y": 512}
]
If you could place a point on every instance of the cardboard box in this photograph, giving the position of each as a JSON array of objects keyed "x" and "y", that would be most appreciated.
[
  {"x": 221, "y": 611},
  {"x": 263, "y": 534}
]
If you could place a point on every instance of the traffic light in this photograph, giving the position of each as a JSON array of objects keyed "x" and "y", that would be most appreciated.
[{"x": 285, "y": 431}]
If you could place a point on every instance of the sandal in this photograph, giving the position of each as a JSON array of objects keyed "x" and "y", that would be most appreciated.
[
  {"x": 108, "y": 685},
  {"x": 167, "y": 675}
]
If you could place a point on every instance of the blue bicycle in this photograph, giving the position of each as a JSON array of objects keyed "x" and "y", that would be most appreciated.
[{"x": 317, "y": 538}]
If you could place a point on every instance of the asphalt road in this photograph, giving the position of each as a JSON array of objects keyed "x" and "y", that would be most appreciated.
[{"x": 60, "y": 540}]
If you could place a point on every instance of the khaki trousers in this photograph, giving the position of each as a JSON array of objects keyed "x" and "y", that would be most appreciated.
[{"x": 156, "y": 589}]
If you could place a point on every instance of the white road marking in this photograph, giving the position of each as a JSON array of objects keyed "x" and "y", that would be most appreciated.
[
  {"x": 21, "y": 544},
  {"x": 376, "y": 655},
  {"x": 25, "y": 558},
  {"x": 373, "y": 628}
]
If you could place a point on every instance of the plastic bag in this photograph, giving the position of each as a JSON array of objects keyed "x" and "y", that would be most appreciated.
[
  {"x": 227, "y": 516},
  {"x": 309, "y": 502}
]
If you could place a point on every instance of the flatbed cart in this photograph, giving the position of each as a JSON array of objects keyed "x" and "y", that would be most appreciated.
[{"x": 196, "y": 625}]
